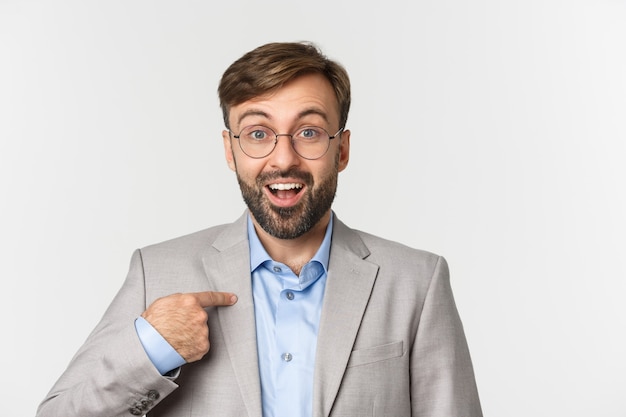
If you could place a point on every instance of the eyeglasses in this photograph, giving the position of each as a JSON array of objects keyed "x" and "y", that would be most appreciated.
[{"x": 310, "y": 142}]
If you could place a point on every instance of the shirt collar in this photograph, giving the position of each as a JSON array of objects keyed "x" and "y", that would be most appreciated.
[{"x": 258, "y": 254}]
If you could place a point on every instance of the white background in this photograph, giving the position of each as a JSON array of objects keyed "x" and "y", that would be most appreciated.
[{"x": 491, "y": 132}]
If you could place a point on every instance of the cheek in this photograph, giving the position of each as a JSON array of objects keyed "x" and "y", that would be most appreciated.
[
  {"x": 328, "y": 168},
  {"x": 247, "y": 168}
]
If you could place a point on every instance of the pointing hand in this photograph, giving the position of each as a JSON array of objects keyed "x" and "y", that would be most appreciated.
[{"x": 182, "y": 320}]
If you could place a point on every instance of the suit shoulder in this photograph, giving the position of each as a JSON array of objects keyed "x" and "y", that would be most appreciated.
[
  {"x": 384, "y": 250},
  {"x": 189, "y": 243},
  {"x": 402, "y": 269}
]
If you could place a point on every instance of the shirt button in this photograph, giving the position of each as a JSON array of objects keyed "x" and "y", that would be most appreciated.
[
  {"x": 277, "y": 269},
  {"x": 290, "y": 295},
  {"x": 287, "y": 357}
]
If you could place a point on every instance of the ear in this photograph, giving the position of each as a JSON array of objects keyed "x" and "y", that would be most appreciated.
[
  {"x": 344, "y": 150},
  {"x": 228, "y": 150}
]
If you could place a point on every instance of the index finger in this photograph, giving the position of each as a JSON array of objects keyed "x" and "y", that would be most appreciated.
[{"x": 215, "y": 298}]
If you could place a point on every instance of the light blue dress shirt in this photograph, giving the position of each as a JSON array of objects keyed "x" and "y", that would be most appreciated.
[{"x": 287, "y": 310}]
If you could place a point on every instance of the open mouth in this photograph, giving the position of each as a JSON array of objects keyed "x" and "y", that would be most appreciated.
[{"x": 285, "y": 190}]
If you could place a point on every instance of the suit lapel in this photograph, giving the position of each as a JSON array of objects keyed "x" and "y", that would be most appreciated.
[
  {"x": 228, "y": 269},
  {"x": 348, "y": 288}
]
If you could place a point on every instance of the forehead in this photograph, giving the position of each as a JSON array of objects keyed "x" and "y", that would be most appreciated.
[{"x": 307, "y": 97}]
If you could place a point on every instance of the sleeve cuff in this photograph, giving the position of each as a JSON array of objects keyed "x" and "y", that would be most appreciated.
[{"x": 161, "y": 353}]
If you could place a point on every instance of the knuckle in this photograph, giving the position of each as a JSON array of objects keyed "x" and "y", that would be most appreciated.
[
  {"x": 204, "y": 346},
  {"x": 201, "y": 316},
  {"x": 188, "y": 300}
]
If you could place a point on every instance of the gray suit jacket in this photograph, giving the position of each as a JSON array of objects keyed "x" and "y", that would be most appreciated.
[{"x": 390, "y": 339}]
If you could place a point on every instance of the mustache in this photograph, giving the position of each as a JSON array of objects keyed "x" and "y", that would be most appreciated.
[{"x": 305, "y": 177}]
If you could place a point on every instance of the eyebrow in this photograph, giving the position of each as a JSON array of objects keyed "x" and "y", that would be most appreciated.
[
  {"x": 315, "y": 111},
  {"x": 252, "y": 112},
  {"x": 302, "y": 114}
]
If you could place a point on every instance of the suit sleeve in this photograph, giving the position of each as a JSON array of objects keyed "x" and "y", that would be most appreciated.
[
  {"x": 442, "y": 376},
  {"x": 111, "y": 375}
]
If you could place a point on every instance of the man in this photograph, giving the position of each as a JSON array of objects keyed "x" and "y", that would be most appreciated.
[{"x": 287, "y": 312}]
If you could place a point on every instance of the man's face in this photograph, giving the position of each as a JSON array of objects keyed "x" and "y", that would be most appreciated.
[{"x": 288, "y": 195}]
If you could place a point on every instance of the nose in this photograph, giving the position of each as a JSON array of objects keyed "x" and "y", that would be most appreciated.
[{"x": 284, "y": 156}]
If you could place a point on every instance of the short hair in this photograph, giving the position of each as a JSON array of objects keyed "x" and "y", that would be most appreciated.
[{"x": 270, "y": 66}]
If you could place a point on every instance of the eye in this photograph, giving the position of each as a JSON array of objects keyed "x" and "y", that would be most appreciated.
[
  {"x": 256, "y": 133},
  {"x": 310, "y": 133}
]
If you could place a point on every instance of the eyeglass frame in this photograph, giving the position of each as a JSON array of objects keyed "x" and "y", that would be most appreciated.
[{"x": 276, "y": 135}]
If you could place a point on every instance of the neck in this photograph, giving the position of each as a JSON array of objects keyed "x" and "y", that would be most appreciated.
[{"x": 294, "y": 253}]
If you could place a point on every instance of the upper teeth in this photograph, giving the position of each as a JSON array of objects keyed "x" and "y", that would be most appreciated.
[{"x": 289, "y": 186}]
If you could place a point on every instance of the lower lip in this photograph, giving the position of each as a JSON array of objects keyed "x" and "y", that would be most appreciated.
[{"x": 284, "y": 202}]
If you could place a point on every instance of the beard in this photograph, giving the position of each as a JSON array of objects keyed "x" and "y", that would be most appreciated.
[{"x": 290, "y": 222}]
